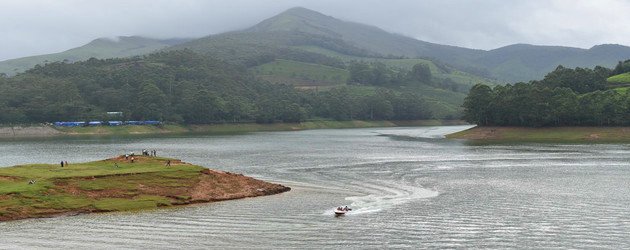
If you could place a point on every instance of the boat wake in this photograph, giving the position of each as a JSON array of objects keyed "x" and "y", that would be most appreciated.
[{"x": 387, "y": 199}]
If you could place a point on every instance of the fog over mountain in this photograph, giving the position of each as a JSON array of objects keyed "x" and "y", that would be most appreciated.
[{"x": 42, "y": 27}]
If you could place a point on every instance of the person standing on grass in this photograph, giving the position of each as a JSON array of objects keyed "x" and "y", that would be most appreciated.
[
  {"x": 168, "y": 163},
  {"x": 62, "y": 164}
]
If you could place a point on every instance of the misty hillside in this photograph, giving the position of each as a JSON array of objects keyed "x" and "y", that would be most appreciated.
[
  {"x": 124, "y": 46},
  {"x": 524, "y": 62},
  {"x": 304, "y": 27},
  {"x": 307, "y": 36},
  {"x": 298, "y": 28},
  {"x": 360, "y": 35}
]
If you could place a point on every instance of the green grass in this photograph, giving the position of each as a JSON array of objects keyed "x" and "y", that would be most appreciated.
[
  {"x": 622, "y": 90},
  {"x": 47, "y": 171},
  {"x": 61, "y": 202},
  {"x": 98, "y": 186},
  {"x": 142, "y": 202},
  {"x": 620, "y": 79},
  {"x": 300, "y": 73},
  {"x": 21, "y": 186}
]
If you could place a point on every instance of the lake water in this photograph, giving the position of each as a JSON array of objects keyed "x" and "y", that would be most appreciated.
[{"x": 409, "y": 188}]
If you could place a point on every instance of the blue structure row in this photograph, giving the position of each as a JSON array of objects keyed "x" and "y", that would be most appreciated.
[{"x": 108, "y": 123}]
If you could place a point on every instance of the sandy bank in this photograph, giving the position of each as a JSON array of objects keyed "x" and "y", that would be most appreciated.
[
  {"x": 568, "y": 134},
  {"x": 30, "y": 131}
]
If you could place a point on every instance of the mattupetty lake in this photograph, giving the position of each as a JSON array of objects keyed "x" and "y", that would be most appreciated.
[{"x": 408, "y": 188}]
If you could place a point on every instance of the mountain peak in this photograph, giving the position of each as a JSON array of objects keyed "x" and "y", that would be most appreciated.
[
  {"x": 298, "y": 19},
  {"x": 300, "y": 11}
]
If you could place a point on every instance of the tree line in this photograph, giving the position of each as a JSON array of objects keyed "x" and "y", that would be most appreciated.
[
  {"x": 565, "y": 97},
  {"x": 183, "y": 87},
  {"x": 378, "y": 74}
]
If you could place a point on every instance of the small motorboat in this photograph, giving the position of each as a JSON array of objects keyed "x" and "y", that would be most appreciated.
[{"x": 341, "y": 210}]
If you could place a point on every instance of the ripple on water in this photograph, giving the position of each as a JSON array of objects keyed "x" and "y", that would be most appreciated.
[{"x": 407, "y": 192}]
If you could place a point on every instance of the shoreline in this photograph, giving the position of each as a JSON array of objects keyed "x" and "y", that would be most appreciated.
[
  {"x": 44, "y": 131},
  {"x": 118, "y": 184},
  {"x": 545, "y": 134}
]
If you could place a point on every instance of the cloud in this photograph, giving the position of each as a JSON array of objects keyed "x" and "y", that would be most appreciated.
[{"x": 46, "y": 26}]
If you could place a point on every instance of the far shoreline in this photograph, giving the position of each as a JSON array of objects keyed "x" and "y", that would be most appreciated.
[
  {"x": 543, "y": 134},
  {"x": 48, "y": 131}
]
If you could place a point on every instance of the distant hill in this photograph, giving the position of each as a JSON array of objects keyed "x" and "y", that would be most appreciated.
[
  {"x": 101, "y": 48},
  {"x": 298, "y": 27},
  {"x": 307, "y": 36},
  {"x": 524, "y": 62},
  {"x": 362, "y": 36},
  {"x": 304, "y": 36}
]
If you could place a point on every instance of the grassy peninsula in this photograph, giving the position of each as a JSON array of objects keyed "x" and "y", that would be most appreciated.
[
  {"x": 549, "y": 134},
  {"x": 118, "y": 184}
]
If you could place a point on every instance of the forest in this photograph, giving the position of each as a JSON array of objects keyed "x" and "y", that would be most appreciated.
[
  {"x": 184, "y": 87},
  {"x": 565, "y": 97}
]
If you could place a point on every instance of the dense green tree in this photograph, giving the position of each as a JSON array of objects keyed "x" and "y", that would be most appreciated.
[
  {"x": 181, "y": 86},
  {"x": 622, "y": 67},
  {"x": 536, "y": 105},
  {"x": 421, "y": 73},
  {"x": 151, "y": 103},
  {"x": 477, "y": 105},
  {"x": 580, "y": 80}
]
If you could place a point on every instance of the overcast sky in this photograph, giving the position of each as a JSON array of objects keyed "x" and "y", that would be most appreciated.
[{"x": 47, "y": 26}]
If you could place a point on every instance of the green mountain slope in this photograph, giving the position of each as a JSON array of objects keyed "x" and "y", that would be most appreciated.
[
  {"x": 620, "y": 79},
  {"x": 362, "y": 36},
  {"x": 305, "y": 75},
  {"x": 310, "y": 50},
  {"x": 298, "y": 28},
  {"x": 99, "y": 48},
  {"x": 308, "y": 36},
  {"x": 524, "y": 62}
]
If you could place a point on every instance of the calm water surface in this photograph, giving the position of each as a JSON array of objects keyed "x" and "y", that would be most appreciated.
[{"x": 409, "y": 189}]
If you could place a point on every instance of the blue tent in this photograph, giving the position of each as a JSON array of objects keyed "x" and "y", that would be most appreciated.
[
  {"x": 152, "y": 123},
  {"x": 133, "y": 122},
  {"x": 115, "y": 123},
  {"x": 69, "y": 124}
]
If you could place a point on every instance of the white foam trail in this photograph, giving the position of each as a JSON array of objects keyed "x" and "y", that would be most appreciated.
[{"x": 393, "y": 196}]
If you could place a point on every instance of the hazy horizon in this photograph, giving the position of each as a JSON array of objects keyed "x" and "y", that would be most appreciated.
[{"x": 43, "y": 27}]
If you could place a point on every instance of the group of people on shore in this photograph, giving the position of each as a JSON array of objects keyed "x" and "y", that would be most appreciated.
[
  {"x": 149, "y": 153},
  {"x": 131, "y": 156},
  {"x": 64, "y": 164}
]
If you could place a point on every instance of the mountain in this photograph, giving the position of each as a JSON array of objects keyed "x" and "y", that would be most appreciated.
[
  {"x": 524, "y": 62},
  {"x": 123, "y": 46},
  {"x": 308, "y": 36},
  {"x": 311, "y": 31},
  {"x": 360, "y": 35},
  {"x": 303, "y": 27},
  {"x": 310, "y": 50}
]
